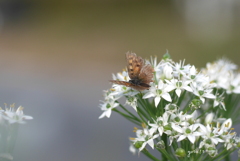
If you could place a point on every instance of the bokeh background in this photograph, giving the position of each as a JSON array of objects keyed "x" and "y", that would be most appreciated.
[{"x": 57, "y": 57}]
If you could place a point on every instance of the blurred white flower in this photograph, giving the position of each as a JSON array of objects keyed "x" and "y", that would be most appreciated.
[
  {"x": 224, "y": 74},
  {"x": 15, "y": 116},
  {"x": 226, "y": 125},
  {"x": 219, "y": 101},
  {"x": 132, "y": 149},
  {"x": 202, "y": 92},
  {"x": 180, "y": 69}
]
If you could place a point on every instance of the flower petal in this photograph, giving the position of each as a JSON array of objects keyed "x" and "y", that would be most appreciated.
[
  {"x": 157, "y": 100},
  {"x": 167, "y": 97}
]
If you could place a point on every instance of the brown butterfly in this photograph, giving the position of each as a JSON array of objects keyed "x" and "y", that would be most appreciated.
[{"x": 140, "y": 74}]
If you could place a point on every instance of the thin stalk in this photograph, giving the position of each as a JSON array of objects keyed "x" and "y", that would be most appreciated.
[
  {"x": 165, "y": 155},
  {"x": 164, "y": 138},
  {"x": 226, "y": 156},
  {"x": 129, "y": 112},
  {"x": 144, "y": 151},
  {"x": 128, "y": 117},
  {"x": 147, "y": 110}
]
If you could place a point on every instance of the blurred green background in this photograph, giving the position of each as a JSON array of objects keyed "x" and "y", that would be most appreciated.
[{"x": 57, "y": 57}]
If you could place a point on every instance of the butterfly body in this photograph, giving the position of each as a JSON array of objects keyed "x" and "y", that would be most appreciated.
[{"x": 140, "y": 74}]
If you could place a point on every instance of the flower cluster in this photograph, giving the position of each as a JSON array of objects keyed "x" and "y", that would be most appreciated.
[
  {"x": 224, "y": 74},
  {"x": 185, "y": 128},
  {"x": 189, "y": 110}
]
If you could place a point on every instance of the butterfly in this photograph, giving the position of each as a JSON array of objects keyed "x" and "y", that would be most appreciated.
[{"x": 140, "y": 74}]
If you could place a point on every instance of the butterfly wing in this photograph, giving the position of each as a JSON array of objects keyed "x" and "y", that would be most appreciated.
[
  {"x": 134, "y": 65},
  {"x": 121, "y": 83},
  {"x": 140, "y": 74},
  {"x": 134, "y": 86},
  {"x": 146, "y": 74}
]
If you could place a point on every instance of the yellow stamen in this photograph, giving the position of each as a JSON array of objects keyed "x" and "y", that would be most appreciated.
[{"x": 144, "y": 125}]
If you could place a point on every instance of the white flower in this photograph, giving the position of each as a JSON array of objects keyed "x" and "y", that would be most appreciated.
[
  {"x": 16, "y": 116},
  {"x": 145, "y": 137},
  {"x": 162, "y": 69},
  {"x": 180, "y": 69},
  {"x": 107, "y": 107},
  {"x": 180, "y": 118},
  {"x": 226, "y": 125},
  {"x": 187, "y": 132},
  {"x": 223, "y": 72},
  {"x": 211, "y": 134},
  {"x": 179, "y": 86},
  {"x": 203, "y": 92},
  {"x": 132, "y": 101},
  {"x": 192, "y": 71},
  {"x": 219, "y": 101},
  {"x": 233, "y": 84},
  {"x": 153, "y": 62},
  {"x": 160, "y": 91},
  {"x": 195, "y": 77},
  {"x": 159, "y": 124},
  {"x": 230, "y": 141}
]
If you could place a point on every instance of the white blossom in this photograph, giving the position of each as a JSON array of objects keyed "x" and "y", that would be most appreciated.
[{"x": 160, "y": 91}]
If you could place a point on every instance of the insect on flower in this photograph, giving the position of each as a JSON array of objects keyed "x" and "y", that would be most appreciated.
[{"x": 140, "y": 74}]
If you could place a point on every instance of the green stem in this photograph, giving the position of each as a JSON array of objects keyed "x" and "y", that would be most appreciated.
[
  {"x": 144, "y": 107},
  {"x": 204, "y": 112},
  {"x": 144, "y": 151},
  {"x": 141, "y": 116},
  {"x": 164, "y": 138},
  {"x": 180, "y": 99},
  {"x": 165, "y": 155},
  {"x": 128, "y": 117},
  {"x": 224, "y": 155},
  {"x": 13, "y": 137},
  {"x": 136, "y": 118}
]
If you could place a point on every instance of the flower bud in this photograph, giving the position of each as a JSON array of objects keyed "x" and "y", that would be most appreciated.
[
  {"x": 138, "y": 144},
  {"x": 180, "y": 152},
  {"x": 161, "y": 144},
  {"x": 196, "y": 103},
  {"x": 166, "y": 56},
  {"x": 167, "y": 70},
  {"x": 212, "y": 151},
  {"x": 209, "y": 118}
]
